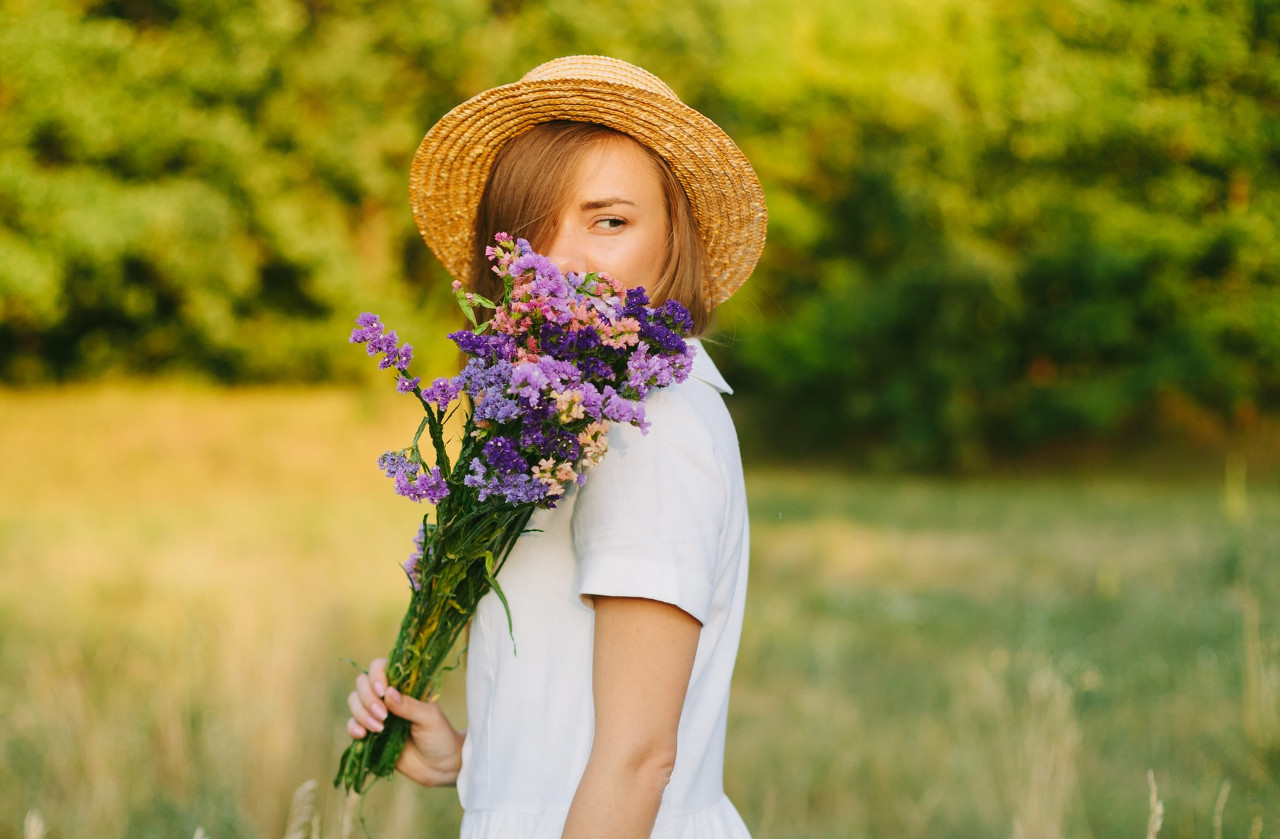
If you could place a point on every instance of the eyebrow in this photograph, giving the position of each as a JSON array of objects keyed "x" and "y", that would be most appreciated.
[{"x": 601, "y": 203}]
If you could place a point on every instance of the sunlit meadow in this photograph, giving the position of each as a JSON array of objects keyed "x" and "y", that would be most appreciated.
[{"x": 186, "y": 570}]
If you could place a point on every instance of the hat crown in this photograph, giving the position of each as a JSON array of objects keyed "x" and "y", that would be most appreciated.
[{"x": 599, "y": 68}]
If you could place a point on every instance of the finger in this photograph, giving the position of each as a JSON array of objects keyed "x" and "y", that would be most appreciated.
[
  {"x": 378, "y": 676},
  {"x": 361, "y": 714},
  {"x": 355, "y": 729},
  {"x": 414, "y": 710},
  {"x": 364, "y": 689}
]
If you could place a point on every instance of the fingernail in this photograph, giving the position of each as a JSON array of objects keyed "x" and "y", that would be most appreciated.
[
  {"x": 377, "y": 726},
  {"x": 380, "y": 712},
  {"x": 380, "y": 688},
  {"x": 393, "y": 695}
]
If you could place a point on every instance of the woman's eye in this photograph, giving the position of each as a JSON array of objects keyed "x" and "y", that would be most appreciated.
[{"x": 611, "y": 223}]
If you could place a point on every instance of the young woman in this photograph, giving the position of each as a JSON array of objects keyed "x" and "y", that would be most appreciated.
[{"x": 606, "y": 715}]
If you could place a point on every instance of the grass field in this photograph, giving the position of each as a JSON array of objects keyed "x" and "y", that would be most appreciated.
[{"x": 185, "y": 570}]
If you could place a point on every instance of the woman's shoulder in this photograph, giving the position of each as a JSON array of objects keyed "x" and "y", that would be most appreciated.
[{"x": 686, "y": 427}]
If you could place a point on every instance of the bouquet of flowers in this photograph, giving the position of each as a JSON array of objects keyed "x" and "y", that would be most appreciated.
[{"x": 561, "y": 357}]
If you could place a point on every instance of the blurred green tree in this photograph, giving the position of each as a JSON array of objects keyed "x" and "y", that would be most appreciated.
[
  {"x": 992, "y": 223},
  {"x": 996, "y": 224}
]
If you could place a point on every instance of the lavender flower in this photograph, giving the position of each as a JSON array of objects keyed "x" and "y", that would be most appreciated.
[
  {"x": 384, "y": 343},
  {"x": 367, "y": 328},
  {"x": 636, "y": 305},
  {"x": 442, "y": 392},
  {"x": 592, "y": 401},
  {"x": 503, "y": 457},
  {"x": 488, "y": 347},
  {"x": 429, "y": 485},
  {"x": 392, "y": 462},
  {"x": 528, "y": 381},
  {"x": 412, "y": 564},
  {"x": 620, "y": 409}
]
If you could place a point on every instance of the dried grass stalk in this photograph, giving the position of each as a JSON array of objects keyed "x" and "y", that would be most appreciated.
[
  {"x": 1155, "y": 820},
  {"x": 304, "y": 821}
]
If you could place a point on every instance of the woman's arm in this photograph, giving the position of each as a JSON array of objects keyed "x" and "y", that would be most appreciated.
[
  {"x": 643, "y": 656},
  {"x": 432, "y": 755}
]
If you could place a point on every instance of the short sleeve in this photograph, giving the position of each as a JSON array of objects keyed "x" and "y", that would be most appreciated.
[{"x": 648, "y": 522}]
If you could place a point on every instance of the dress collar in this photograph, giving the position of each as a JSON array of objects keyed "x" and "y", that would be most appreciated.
[{"x": 704, "y": 369}]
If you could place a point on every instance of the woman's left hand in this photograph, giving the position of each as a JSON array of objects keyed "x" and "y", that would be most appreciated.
[{"x": 432, "y": 753}]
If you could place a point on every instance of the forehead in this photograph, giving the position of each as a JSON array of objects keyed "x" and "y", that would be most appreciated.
[{"x": 617, "y": 160}]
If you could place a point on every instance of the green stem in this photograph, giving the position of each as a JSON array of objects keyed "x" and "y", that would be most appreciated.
[{"x": 451, "y": 591}]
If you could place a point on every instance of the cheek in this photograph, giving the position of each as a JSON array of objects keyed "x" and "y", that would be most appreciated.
[
  {"x": 644, "y": 263},
  {"x": 656, "y": 255}
]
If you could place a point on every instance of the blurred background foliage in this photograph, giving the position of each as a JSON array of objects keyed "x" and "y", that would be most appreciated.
[
  {"x": 994, "y": 224},
  {"x": 998, "y": 228}
]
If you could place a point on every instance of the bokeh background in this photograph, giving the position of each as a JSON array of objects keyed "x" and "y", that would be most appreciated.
[{"x": 1008, "y": 385}]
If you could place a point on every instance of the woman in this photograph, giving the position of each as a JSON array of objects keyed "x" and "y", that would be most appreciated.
[{"x": 605, "y": 717}]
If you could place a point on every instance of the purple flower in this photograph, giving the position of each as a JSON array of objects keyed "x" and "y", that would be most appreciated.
[
  {"x": 528, "y": 382},
  {"x": 392, "y": 462},
  {"x": 547, "y": 279},
  {"x": 369, "y": 331},
  {"x": 385, "y": 343},
  {"x": 488, "y": 347},
  {"x": 561, "y": 375},
  {"x": 367, "y": 328},
  {"x": 429, "y": 485},
  {"x": 592, "y": 401},
  {"x": 442, "y": 392},
  {"x": 475, "y": 478},
  {"x": 488, "y": 385},
  {"x": 621, "y": 409},
  {"x": 412, "y": 564},
  {"x": 645, "y": 371},
  {"x": 563, "y": 446},
  {"x": 436, "y": 488},
  {"x": 406, "y": 385},
  {"x": 505, "y": 474},
  {"x": 591, "y": 367},
  {"x": 636, "y": 303},
  {"x": 676, "y": 316},
  {"x": 523, "y": 489},
  {"x": 502, "y": 456},
  {"x": 586, "y": 340},
  {"x": 493, "y": 405},
  {"x": 657, "y": 333},
  {"x": 532, "y": 435}
]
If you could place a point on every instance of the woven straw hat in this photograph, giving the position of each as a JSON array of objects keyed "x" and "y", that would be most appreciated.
[{"x": 452, "y": 164}]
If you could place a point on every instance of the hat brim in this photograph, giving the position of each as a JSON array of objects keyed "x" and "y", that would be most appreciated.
[{"x": 452, "y": 164}]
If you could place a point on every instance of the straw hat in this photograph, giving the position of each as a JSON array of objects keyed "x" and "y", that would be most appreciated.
[{"x": 452, "y": 164}]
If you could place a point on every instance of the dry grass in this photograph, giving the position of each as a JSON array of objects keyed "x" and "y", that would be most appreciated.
[
  {"x": 185, "y": 568},
  {"x": 1033, "y": 739}
]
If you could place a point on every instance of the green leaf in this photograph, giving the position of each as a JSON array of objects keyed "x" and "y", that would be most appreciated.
[
  {"x": 506, "y": 607},
  {"x": 467, "y": 309}
]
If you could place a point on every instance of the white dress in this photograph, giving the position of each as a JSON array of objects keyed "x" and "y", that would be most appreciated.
[{"x": 664, "y": 517}]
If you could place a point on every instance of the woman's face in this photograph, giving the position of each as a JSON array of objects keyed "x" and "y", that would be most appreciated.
[{"x": 614, "y": 220}]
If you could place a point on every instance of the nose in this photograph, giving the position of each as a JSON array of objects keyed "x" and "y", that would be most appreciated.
[{"x": 566, "y": 253}]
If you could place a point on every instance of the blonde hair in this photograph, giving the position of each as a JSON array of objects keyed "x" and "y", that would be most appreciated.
[{"x": 529, "y": 183}]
